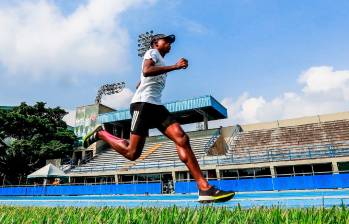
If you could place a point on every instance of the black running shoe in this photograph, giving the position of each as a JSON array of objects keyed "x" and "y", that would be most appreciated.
[
  {"x": 215, "y": 195},
  {"x": 92, "y": 137}
]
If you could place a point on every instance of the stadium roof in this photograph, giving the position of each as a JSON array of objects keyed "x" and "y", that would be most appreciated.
[{"x": 186, "y": 111}]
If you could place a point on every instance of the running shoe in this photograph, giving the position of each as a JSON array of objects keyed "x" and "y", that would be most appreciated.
[
  {"x": 215, "y": 195},
  {"x": 92, "y": 136}
]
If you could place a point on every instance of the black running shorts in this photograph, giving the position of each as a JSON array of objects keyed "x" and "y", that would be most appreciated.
[{"x": 146, "y": 116}]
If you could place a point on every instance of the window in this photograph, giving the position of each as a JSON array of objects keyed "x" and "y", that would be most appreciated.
[
  {"x": 126, "y": 178},
  {"x": 246, "y": 173},
  {"x": 181, "y": 175},
  {"x": 301, "y": 170},
  {"x": 229, "y": 174},
  {"x": 284, "y": 170},
  {"x": 343, "y": 167},
  {"x": 140, "y": 178},
  {"x": 90, "y": 180},
  {"x": 262, "y": 172},
  {"x": 153, "y": 177},
  {"x": 210, "y": 174},
  {"x": 322, "y": 168}
]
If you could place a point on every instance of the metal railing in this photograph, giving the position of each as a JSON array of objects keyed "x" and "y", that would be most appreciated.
[
  {"x": 69, "y": 164},
  {"x": 250, "y": 156},
  {"x": 212, "y": 140},
  {"x": 235, "y": 131}
]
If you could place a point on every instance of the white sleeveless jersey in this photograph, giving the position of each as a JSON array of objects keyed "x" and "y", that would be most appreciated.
[{"x": 150, "y": 89}]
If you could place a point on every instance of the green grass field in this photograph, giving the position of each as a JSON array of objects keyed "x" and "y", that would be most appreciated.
[{"x": 172, "y": 215}]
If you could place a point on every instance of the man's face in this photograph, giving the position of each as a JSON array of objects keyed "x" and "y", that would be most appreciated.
[{"x": 163, "y": 45}]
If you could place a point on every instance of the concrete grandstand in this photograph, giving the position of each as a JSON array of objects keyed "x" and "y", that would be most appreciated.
[{"x": 315, "y": 146}]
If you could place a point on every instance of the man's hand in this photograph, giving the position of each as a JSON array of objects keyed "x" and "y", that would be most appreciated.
[{"x": 182, "y": 63}]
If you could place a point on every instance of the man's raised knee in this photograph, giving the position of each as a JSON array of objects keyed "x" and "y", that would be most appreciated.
[
  {"x": 182, "y": 140},
  {"x": 133, "y": 156},
  {"x": 134, "y": 153}
]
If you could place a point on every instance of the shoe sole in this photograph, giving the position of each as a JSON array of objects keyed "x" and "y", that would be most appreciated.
[
  {"x": 89, "y": 135},
  {"x": 212, "y": 199}
]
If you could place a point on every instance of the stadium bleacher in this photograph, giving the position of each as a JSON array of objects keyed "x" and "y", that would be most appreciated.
[
  {"x": 294, "y": 139},
  {"x": 312, "y": 145},
  {"x": 315, "y": 140},
  {"x": 164, "y": 154}
]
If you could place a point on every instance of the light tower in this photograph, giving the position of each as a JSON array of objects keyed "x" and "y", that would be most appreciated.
[
  {"x": 144, "y": 41},
  {"x": 109, "y": 89}
]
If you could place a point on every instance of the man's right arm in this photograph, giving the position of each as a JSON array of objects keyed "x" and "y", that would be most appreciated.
[{"x": 149, "y": 68}]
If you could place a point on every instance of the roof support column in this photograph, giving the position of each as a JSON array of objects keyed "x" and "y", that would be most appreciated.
[
  {"x": 218, "y": 174},
  {"x": 205, "y": 121},
  {"x": 272, "y": 171},
  {"x": 205, "y": 118},
  {"x": 335, "y": 167},
  {"x": 173, "y": 176}
]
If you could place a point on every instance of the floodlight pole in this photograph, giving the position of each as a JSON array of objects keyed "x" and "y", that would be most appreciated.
[
  {"x": 144, "y": 40},
  {"x": 109, "y": 89}
]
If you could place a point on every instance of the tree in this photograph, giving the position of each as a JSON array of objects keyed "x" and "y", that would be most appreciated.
[{"x": 38, "y": 134}]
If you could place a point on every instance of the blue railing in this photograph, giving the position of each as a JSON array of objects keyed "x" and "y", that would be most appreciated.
[
  {"x": 97, "y": 189},
  {"x": 325, "y": 181}
]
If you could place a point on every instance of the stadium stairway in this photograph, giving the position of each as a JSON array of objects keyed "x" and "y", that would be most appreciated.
[
  {"x": 144, "y": 155},
  {"x": 167, "y": 155},
  {"x": 212, "y": 140}
]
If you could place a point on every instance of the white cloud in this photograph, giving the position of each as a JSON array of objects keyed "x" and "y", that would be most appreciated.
[
  {"x": 118, "y": 101},
  {"x": 190, "y": 25},
  {"x": 323, "y": 90},
  {"x": 319, "y": 80},
  {"x": 194, "y": 27},
  {"x": 37, "y": 40}
]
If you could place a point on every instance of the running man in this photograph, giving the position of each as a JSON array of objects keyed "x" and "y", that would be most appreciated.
[{"x": 147, "y": 111}]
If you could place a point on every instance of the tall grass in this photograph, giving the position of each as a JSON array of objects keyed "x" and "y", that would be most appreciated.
[{"x": 174, "y": 214}]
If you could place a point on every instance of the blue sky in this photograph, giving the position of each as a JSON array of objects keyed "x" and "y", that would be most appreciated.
[{"x": 264, "y": 60}]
